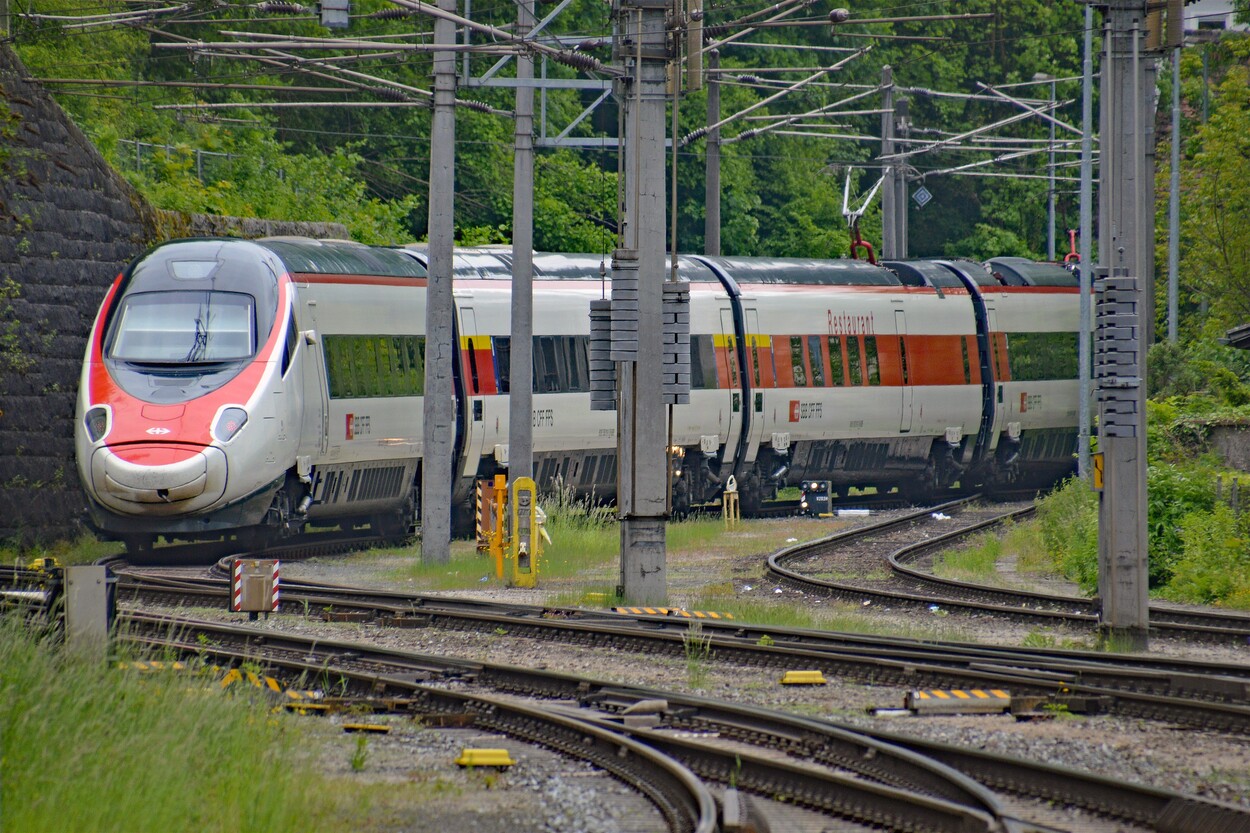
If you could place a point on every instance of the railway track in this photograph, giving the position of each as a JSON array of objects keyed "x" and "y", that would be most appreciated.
[
  {"x": 872, "y": 777},
  {"x": 1192, "y": 693},
  {"x": 905, "y": 541}
]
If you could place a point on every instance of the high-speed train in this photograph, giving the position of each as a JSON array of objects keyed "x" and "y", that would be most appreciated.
[{"x": 253, "y": 388}]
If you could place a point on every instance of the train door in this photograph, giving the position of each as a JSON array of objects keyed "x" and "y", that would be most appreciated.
[
  {"x": 475, "y": 404},
  {"x": 906, "y": 391},
  {"x": 729, "y": 369},
  {"x": 997, "y": 371},
  {"x": 316, "y": 427},
  {"x": 758, "y": 378}
]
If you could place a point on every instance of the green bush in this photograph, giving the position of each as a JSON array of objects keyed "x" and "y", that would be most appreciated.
[
  {"x": 1175, "y": 491},
  {"x": 1069, "y": 522},
  {"x": 1214, "y": 564}
]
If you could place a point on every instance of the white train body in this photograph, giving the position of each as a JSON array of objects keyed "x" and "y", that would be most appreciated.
[{"x": 235, "y": 388}]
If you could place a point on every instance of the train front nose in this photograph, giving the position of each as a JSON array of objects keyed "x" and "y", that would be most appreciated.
[{"x": 153, "y": 479}]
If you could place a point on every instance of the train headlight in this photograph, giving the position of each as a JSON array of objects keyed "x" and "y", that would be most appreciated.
[
  {"x": 229, "y": 423},
  {"x": 96, "y": 422}
]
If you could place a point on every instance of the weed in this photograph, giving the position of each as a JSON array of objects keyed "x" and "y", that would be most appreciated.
[
  {"x": 360, "y": 755},
  {"x": 698, "y": 647}
]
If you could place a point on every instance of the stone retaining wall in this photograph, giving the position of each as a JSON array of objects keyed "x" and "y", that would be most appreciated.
[{"x": 68, "y": 225}]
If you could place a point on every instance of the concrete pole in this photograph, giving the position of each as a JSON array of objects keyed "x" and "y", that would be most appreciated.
[
  {"x": 1174, "y": 200},
  {"x": 1125, "y": 195},
  {"x": 440, "y": 422},
  {"x": 642, "y": 420},
  {"x": 1087, "y": 245},
  {"x": 521, "y": 400},
  {"x": 902, "y": 129},
  {"x": 711, "y": 198},
  {"x": 889, "y": 214},
  {"x": 1050, "y": 189}
]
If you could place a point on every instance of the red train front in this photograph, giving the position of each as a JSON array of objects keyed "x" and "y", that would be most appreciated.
[{"x": 184, "y": 419}]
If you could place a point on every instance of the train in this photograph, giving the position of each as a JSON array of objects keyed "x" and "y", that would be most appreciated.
[{"x": 257, "y": 389}]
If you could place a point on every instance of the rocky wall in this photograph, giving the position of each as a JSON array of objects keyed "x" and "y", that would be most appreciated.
[{"x": 68, "y": 225}]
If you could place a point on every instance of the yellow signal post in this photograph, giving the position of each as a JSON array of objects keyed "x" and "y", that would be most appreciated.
[
  {"x": 525, "y": 545},
  {"x": 498, "y": 537}
]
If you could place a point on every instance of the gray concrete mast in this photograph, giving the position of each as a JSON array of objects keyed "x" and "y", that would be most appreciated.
[
  {"x": 521, "y": 401},
  {"x": 440, "y": 418},
  {"x": 642, "y": 423}
]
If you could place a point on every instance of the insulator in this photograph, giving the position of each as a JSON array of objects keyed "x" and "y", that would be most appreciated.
[
  {"x": 481, "y": 107},
  {"x": 578, "y": 61},
  {"x": 589, "y": 44},
  {"x": 697, "y": 133},
  {"x": 280, "y": 7},
  {"x": 390, "y": 94},
  {"x": 839, "y": 16},
  {"x": 749, "y": 79},
  {"x": 391, "y": 14},
  {"x": 747, "y": 134},
  {"x": 714, "y": 31}
]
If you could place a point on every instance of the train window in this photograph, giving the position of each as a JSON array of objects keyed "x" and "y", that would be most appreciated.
[
  {"x": 817, "y": 361},
  {"x": 963, "y": 343},
  {"x": 902, "y": 354},
  {"x": 371, "y": 366},
  {"x": 292, "y": 341},
  {"x": 852, "y": 361},
  {"x": 871, "y": 364},
  {"x": 560, "y": 364},
  {"x": 796, "y": 362},
  {"x": 837, "y": 370},
  {"x": 473, "y": 371},
  {"x": 503, "y": 362},
  {"x": 1036, "y": 356},
  {"x": 702, "y": 363},
  {"x": 731, "y": 356},
  {"x": 753, "y": 346}
]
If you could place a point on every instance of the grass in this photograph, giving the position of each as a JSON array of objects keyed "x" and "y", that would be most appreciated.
[
  {"x": 84, "y": 550},
  {"x": 89, "y": 747}
]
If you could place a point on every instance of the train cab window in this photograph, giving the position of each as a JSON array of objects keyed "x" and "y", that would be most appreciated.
[
  {"x": 856, "y": 372},
  {"x": 702, "y": 363},
  {"x": 817, "y": 361},
  {"x": 796, "y": 362},
  {"x": 871, "y": 364},
  {"x": 837, "y": 369},
  {"x": 184, "y": 327},
  {"x": 963, "y": 342}
]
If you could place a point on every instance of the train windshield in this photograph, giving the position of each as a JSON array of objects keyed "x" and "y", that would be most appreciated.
[{"x": 186, "y": 327}]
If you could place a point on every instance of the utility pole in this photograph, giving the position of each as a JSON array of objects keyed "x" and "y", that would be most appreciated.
[
  {"x": 1174, "y": 200},
  {"x": 439, "y": 430},
  {"x": 1126, "y": 243},
  {"x": 902, "y": 128},
  {"x": 889, "y": 170},
  {"x": 1050, "y": 167},
  {"x": 521, "y": 373},
  {"x": 711, "y": 196},
  {"x": 1087, "y": 246},
  {"x": 638, "y": 277}
]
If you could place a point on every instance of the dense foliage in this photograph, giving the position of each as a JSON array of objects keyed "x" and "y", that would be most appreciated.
[{"x": 365, "y": 162}]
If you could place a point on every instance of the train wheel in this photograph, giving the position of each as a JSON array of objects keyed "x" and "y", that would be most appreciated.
[{"x": 139, "y": 547}]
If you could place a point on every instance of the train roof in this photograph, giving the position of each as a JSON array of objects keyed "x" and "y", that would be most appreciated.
[
  {"x": 934, "y": 273},
  {"x": 1020, "y": 271},
  {"x": 341, "y": 257},
  {"x": 788, "y": 270},
  {"x": 495, "y": 263}
]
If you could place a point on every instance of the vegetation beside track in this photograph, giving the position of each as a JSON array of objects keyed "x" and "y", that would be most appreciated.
[{"x": 86, "y": 746}]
